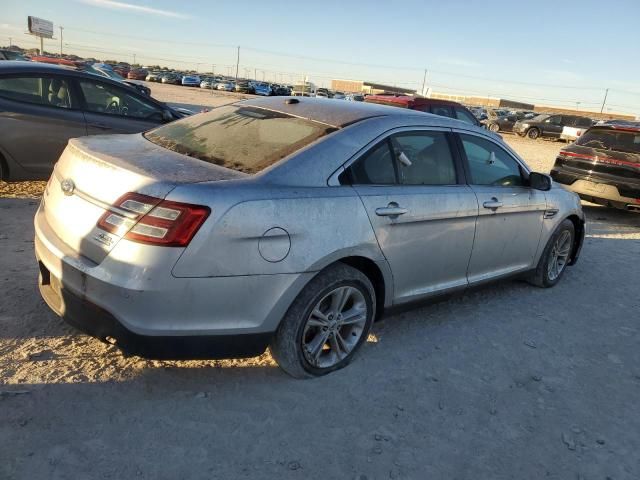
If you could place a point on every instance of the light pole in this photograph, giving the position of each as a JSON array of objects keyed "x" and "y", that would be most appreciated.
[
  {"x": 606, "y": 92},
  {"x": 134, "y": 59},
  {"x": 61, "y": 28}
]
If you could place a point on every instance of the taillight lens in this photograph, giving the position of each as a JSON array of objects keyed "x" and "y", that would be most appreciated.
[{"x": 154, "y": 221}]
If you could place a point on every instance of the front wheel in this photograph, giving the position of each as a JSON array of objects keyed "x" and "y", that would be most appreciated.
[
  {"x": 326, "y": 324},
  {"x": 556, "y": 256},
  {"x": 494, "y": 127}
]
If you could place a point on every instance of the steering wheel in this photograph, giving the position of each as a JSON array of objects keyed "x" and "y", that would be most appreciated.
[{"x": 113, "y": 106}]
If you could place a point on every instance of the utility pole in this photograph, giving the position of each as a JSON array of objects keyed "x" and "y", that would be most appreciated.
[
  {"x": 10, "y": 41},
  {"x": 606, "y": 92},
  {"x": 134, "y": 59},
  {"x": 61, "y": 28},
  {"x": 424, "y": 81},
  {"x": 237, "y": 63}
]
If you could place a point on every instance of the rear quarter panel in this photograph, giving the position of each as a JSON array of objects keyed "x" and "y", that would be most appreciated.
[{"x": 309, "y": 227}]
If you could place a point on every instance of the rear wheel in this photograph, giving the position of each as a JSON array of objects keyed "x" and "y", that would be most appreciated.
[
  {"x": 555, "y": 257},
  {"x": 494, "y": 127},
  {"x": 326, "y": 324},
  {"x": 533, "y": 133}
]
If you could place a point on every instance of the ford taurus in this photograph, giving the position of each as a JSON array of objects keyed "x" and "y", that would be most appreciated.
[{"x": 290, "y": 223}]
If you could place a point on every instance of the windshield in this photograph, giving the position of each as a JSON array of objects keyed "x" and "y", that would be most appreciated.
[
  {"x": 609, "y": 139},
  {"x": 242, "y": 138}
]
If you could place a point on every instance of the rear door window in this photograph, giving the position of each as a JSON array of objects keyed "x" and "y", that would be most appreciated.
[
  {"x": 465, "y": 116},
  {"x": 442, "y": 110},
  {"x": 374, "y": 168},
  {"x": 424, "y": 158},
  {"x": 48, "y": 91}
]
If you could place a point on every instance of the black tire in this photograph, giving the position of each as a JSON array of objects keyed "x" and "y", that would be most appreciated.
[
  {"x": 533, "y": 133},
  {"x": 541, "y": 276},
  {"x": 286, "y": 346},
  {"x": 494, "y": 127}
]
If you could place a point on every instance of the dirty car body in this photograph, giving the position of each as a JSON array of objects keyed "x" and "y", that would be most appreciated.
[{"x": 266, "y": 231}]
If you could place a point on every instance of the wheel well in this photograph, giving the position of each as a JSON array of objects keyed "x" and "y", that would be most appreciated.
[
  {"x": 578, "y": 226},
  {"x": 374, "y": 274}
]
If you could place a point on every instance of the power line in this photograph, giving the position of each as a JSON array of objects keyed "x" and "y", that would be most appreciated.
[{"x": 337, "y": 61}]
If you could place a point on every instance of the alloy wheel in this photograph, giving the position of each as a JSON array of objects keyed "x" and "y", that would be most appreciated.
[
  {"x": 334, "y": 327},
  {"x": 559, "y": 255}
]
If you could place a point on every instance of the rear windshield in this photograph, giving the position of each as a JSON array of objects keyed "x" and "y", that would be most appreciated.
[
  {"x": 609, "y": 139},
  {"x": 242, "y": 138}
]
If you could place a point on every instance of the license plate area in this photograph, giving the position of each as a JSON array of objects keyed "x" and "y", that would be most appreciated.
[{"x": 595, "y": 187}]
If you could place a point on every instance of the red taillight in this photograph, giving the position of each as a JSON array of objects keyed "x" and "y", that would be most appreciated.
[{"x": 153, "y": 221}]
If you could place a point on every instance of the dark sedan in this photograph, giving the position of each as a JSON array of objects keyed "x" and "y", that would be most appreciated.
[{"x": 42, "y": 106}]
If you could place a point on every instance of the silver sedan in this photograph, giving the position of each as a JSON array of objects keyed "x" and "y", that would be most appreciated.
[{"x": 290, "y": 223}]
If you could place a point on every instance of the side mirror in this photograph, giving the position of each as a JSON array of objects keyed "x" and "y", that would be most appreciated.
[{"x": 540, "y": 181}]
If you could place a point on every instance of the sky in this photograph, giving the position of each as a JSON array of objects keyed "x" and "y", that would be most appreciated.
[{"x": 562, "y": 52}]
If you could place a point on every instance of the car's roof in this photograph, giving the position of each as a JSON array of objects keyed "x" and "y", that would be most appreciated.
[{"x": 334, "y": 113}]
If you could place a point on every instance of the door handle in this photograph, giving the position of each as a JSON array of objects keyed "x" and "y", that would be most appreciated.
[
  {"x": 391, "y": 210},
  {"x": 492, "y": 204}
]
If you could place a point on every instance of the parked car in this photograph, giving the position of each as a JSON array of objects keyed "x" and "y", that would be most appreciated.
[
  {"x": 207, "y": 82},
  {"x": 444, "y": 108},
  {"x": 225, "y": 86},
  {"x": 137, "y": 74},
  {"x": 242, "y": 86},
  {"x": 263, "y": 89},
  {"x": 172, "y": 79},
  {"x": 11, "y": 55},
  {"x": 603, "y": 165},
  {"x": 355, "y": 97},
  {"x": 154, "y": 76},
  {"x": 501, "y": 121},
  {"x": 237, "y": 249},
  {"x": 191, "y": 80},
  {"x": 282, "y": 90},
  {"x": 549, "y": 126},
  {"x": 339, "y": 96},
  {"x": 322, "y": 92},
  {"x": 480, "y": 113},
  {"x": 42, "y": 106}
]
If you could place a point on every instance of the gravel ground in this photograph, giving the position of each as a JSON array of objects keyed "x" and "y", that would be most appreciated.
[{"x": 506, "y": 382}]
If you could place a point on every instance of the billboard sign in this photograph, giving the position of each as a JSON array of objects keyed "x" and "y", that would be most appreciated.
[{"x": 41, "y": 28}]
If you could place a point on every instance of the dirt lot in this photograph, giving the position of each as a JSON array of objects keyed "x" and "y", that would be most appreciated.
[{"x": 507, "y": 382}]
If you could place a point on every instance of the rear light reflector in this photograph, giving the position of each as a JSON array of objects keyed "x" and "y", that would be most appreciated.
[{"x": 154, "y": 221}]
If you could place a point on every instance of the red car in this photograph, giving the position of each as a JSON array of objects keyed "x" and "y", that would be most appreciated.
[
  {"x": 444, "y": 108},
  {"x": 137, "y": 74}
]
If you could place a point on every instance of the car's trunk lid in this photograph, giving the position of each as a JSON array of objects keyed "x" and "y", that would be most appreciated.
[{"x": 94, "y": 172}]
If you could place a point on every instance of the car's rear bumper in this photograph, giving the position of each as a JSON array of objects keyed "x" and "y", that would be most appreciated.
[
  {"x": 98, "y": 322},
  {"x": 603, "y": 192},
  {"x": 144, "y": 301}
]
